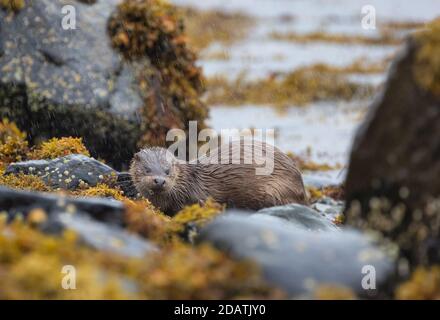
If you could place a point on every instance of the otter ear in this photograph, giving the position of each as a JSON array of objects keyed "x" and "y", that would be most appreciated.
[{"x": 137, "y": 156}]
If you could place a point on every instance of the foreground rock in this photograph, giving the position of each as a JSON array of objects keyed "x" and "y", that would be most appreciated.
[
  {"x": 65, "y": 172},
  {"x": 296, "y": 259},
  {"x": 300, "y": 216},
  {"x": 393, "y": 177},
  {"x": 104, "y": 237},
  {"x": 97, "y": 221}
]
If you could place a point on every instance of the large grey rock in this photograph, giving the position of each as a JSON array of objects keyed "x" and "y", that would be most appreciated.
[
  {"x": 297, "y": 259},
  {"x": 65, "y": 172},
  {"x": 56, "y": 82}
]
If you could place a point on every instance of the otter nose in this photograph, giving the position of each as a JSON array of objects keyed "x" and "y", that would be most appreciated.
[{"x": 159, "y": 182}]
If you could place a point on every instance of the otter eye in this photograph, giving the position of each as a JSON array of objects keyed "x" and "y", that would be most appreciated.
[
  {"x": 167, "y": 171},
  {"x": 147, "y": 170}
]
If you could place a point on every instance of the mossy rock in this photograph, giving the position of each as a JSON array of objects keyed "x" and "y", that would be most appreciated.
[
  {"x": 392, "y": 182},
  {"x": 56, "y": 82}
]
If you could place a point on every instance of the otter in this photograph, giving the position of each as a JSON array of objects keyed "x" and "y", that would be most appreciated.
[{"x": 170, "y": 184}]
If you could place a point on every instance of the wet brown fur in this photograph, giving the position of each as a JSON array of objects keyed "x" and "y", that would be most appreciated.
[{"x": 235, "y": 185}]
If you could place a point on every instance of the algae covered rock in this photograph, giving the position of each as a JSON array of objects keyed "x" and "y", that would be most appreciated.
[
  {"x": 154, "y": 29},
  {"x": 43, "y": 233},
  {"x": 97, "y": 222},
  {"x": 22, "y": 203},
  {"x": 68, "y": 172},
  {"x": 299, "y": 260},
  {"x": 57, "y": 81},
  {"x": 392, "y": 182}
]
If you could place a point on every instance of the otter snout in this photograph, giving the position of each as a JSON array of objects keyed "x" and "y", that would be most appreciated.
[{"x": 159, "y": 182}]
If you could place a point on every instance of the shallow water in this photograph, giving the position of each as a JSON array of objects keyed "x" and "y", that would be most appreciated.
[
  {"x": 307, "y": 9},
  {"x": 261, "y": 57},
  {"x": 324, "y": 131}
]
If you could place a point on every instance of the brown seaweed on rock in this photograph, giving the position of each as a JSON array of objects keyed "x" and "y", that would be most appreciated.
[
  {"x": 392, "y": 185},
  {"x": 153, "y": 29},
  {"x": 31, "y": 262},
  {"x": 31, "y": 265}
]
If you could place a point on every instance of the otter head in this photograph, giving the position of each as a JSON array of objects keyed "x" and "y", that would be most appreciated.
[{"x": 153, "y": 171}]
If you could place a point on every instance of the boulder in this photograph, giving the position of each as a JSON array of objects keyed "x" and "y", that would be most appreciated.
[
  {"x": 16, "y": 202},
  {"x": 126, "y": 184},
  {"x": 298, "y": 260},
  {"x": 73, "y": 82},
  {"x": 57, "y": 82},
  {"x": 98, "y": 222},
  {"x": 392, "y": 181},
  {"x": 66, "y": 172}
]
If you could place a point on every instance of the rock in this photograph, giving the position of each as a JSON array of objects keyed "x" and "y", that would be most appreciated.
[
  {"x": 126, "y": 184},
  {"x": 329, "y": 207},
  {"x": 22, "y": 202},
  {"x": 58, "y": 82},
  {"x": 105, "y": 237},
  {"x": 98, "y": 222},
  {"x": 300, "y": 216},
  {"x": 392, "y": 179},
  {"x": 65, "y": 172},
  {"x": 296, "y": 259}
]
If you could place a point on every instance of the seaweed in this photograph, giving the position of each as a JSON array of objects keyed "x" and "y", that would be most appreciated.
[
  {"x": 23, "y": 182},
  {"x": 183, "y": 272},
  {"x": 333, "y": 292},
  {"x": 102, "y": 190},
  {"x": 12, "y": 5},
  {"x": 426, "y": 68},
  {"x": 13, "y": 144},
  {"x": 59, "y": 147},
  {"x": 309, "y": 165},
  {"x": 195, "y": 216},
  {"x": 302, "y": 86},
  {"x": 143, "y": 218},
  {"x": 154, "y": 30},
  {"x": 385, "y": 38},
  {"x": 424, "y": 284},
  {"x": 31, "y": 265},
  {"x": 205, "y": 27}
]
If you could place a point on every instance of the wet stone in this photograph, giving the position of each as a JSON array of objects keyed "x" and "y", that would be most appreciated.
[
  {"x": 105, "y": 237},
  {"x": 329, "y": 207},
  {"x": 66, "y": 172},
  {"x": 97, "y": 222},
  {"x": 296, "y": 259},
  {"x": 21, "y": 203},
  {"x": 300, "y": 216},
  {"x": 126, "y": 184}
]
